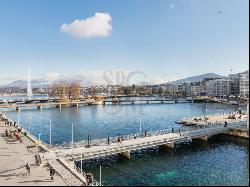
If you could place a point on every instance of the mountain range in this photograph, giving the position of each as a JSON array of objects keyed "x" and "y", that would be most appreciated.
[
  {"x": 42, "y": 83},
  {"x": 197, "y": 78}
]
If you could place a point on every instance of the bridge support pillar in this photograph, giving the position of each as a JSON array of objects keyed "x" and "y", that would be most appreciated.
[
  {"x": 59, "y": 106},
  {"x": 202, "y": 138},
  {"x": 103, "y": 103},
  {"x": 147, "y": 102},
  {"x": 39, "y": 107},
  {"x": 167, "y": 146},
  {"x": 125, "y": 154}
]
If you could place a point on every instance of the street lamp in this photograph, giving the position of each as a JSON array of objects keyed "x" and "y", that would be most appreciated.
[
  {"x": 72, "y": 136},
  {"x": 49, "y": 134},
  {"x": 39, "y": 138},
  {"x": 140, "y": 125}
]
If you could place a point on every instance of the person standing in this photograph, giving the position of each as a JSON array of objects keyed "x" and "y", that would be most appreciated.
[{"x": 28, "y": 168}]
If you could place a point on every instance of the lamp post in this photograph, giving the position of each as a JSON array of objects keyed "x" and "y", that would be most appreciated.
[
  {"x": 140, "y": 125},
  {"x": 72, "y": 134},
  {"x": 100, "y": 175},
  {"x": 49, "y": 134},
  {"x": 248, "y": 115},
  {"x": 81, "y": 165},
  {"x": 39, "y": 135},
  {"x": 18, "y": 118}
]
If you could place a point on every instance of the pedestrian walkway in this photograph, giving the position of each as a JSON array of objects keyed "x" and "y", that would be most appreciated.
[
  {"x": 13, "y": 158},
  {"x": 67, "y": 176}
]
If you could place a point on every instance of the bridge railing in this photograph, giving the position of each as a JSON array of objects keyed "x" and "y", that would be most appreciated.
[
  {"x": 88, "y": 154},
  {"x": 104, "y": 141}
]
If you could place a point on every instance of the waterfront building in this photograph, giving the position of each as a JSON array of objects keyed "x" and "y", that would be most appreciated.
[
  {"x": 244, "y": 84},
  {"x": 188, "y": 91},
  {"x": 239, "y": 84},
  {"x": 198, "y": 88},
  {"x": 235, "y": 84},
  {"x": 219, "y": 87}
]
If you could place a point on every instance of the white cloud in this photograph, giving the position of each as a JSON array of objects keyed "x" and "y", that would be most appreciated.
[
  {"x": 98, "y": 25},
  {"x": 172, "y": 5}
]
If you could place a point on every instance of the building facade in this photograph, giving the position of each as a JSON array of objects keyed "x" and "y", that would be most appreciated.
[
  {"x": 219, "y": 87},
  {"x": 244, "y": 84}
]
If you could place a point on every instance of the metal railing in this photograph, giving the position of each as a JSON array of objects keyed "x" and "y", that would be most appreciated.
[
  {"x": 118, "y": 148},
  {"x": 104, "y": 141}
]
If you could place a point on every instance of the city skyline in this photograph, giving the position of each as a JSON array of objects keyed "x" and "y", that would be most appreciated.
[{"x": 87, "y": 38}]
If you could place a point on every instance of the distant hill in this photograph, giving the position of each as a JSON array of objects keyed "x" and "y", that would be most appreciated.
[
  {"x": 197, "y": 78},
  {"x": 40, "y": 83}
]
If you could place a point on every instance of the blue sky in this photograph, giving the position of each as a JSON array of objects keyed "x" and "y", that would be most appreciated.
[{"x": 166, "y": 39}]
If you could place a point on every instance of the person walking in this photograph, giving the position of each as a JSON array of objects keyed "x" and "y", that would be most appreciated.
[
  {"x": 225, "y": 124},
  {"x": 52, "y": 173},
  {"x": 28, "y": 168},
  {"x": 6, "y": 132},
  {"x": 118, "y": 140},
  {"x": 108, "y": 141}
]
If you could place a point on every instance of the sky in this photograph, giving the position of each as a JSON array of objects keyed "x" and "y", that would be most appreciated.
[{"x": 163, "y": 39}]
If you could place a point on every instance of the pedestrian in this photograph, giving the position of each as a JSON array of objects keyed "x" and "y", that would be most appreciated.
[
  {"x": 108, "y": 140},
  {"x": 28, "y": 168},
  {"x": 145, "y": 133},
  {"x": 6, "y": 132},
  {"x": 172, "y": 129},
  {"x": 52, "y": 173}
]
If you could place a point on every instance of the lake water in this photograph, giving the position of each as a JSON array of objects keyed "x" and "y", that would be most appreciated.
[
  {"x": 217, "y": 162},
  {"x": 110, "y": 120}
]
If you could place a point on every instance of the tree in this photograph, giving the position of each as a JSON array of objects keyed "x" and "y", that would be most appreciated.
[
  {"x": 160, "y": 91},
  {"x": 65, "y": 92},
  {"x": 74, "y": 91}
]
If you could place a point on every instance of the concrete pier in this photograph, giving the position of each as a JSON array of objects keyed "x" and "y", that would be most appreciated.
[{"x": 39, "y": 107}]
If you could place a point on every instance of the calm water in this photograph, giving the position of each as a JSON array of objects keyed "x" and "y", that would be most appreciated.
[
  {"x": 217, "y": 162},
  {"x": 110, "y": 120},
  {"x": 213, "y": 163},
  {"x": 23, "y": 97}
]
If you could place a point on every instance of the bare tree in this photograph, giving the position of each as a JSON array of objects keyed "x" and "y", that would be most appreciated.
[{"x": 74, "y": 91}]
